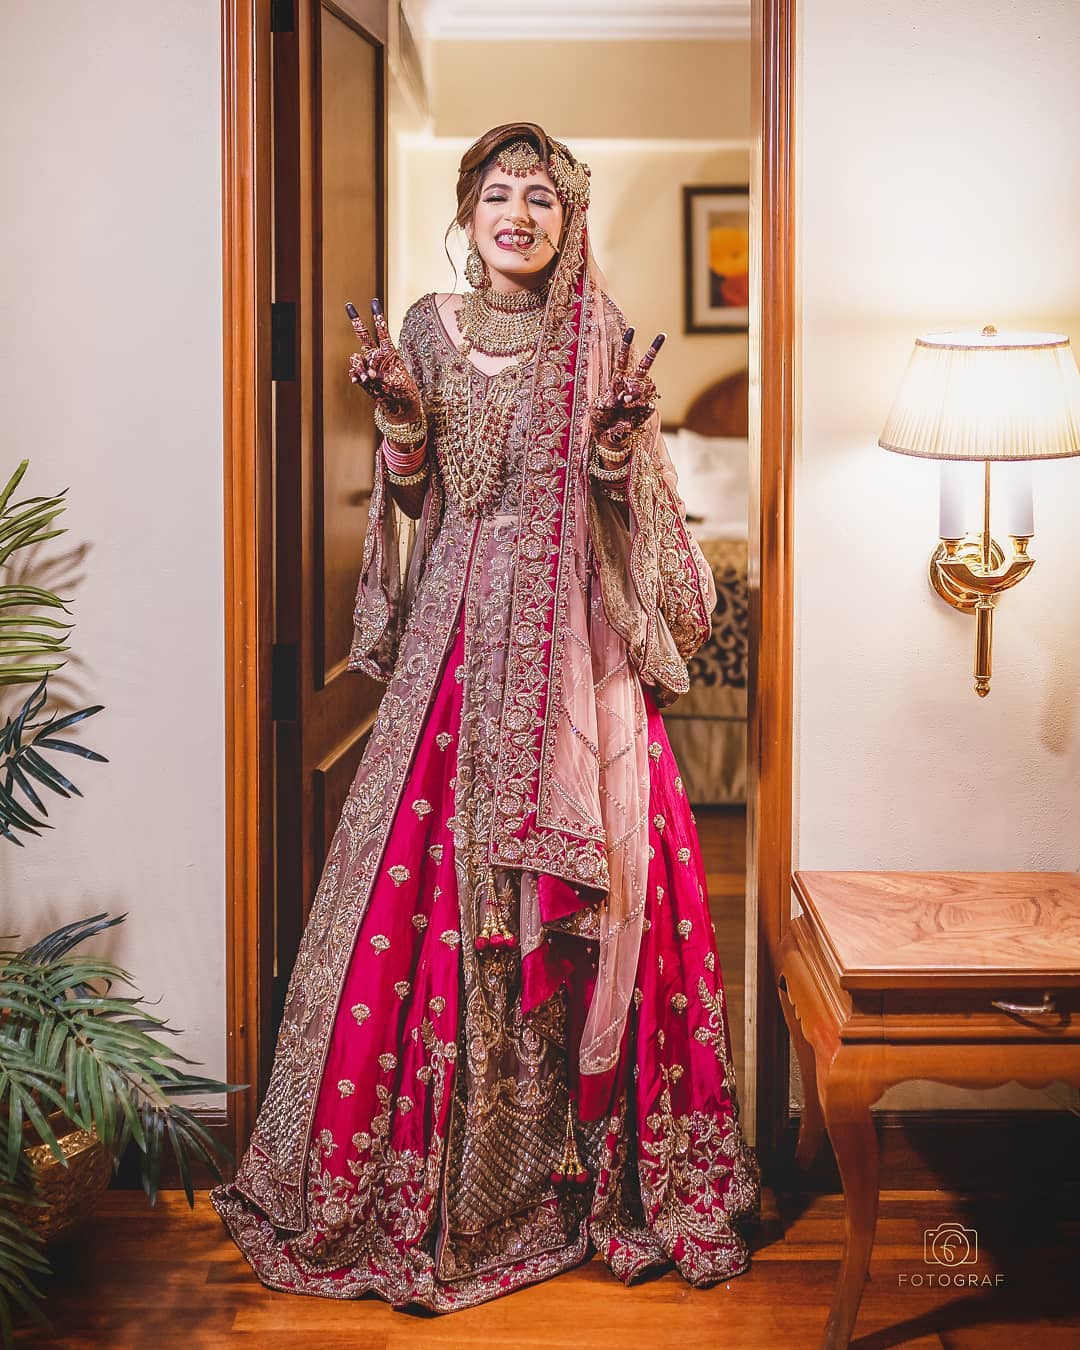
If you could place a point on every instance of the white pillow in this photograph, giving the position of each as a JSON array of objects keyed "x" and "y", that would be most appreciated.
[{"x": 714, "y": 481}]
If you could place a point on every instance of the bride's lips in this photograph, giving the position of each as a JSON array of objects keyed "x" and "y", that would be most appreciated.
[{"x": 519, "y": 239}]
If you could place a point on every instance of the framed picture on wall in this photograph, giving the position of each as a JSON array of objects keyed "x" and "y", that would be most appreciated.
[{"x": 716, "y": 258}]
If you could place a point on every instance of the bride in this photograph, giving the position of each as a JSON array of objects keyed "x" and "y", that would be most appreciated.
[{"x": 505, "y": 1042}]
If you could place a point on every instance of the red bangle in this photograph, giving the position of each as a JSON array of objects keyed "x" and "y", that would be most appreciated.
[{"x": 404, "y": 463}]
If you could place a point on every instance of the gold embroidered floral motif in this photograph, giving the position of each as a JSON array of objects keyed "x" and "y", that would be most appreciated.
[
  {"x": 387, "y": 1061},
  {"x": 659, "y": 894},
  {"x": 401, "y": 988},
  {"x": 435, "y": 853},
  {"x": 422, "y": 807},
  {"x": 399, "y": 874},
  {"x": 712, "y": 1033},
  {"x": 436, "y": 1003},
  {"x": 678, "y": 784},
  {"x": 380, "y": 942},
  {"x": 451, "y": 937},
  {"x": 655, "y": 749},
  {"x": 419, "y": 922},
  {"x": 405, "y": 1105},
  {"x": 638, "y": 996},
  {"x": 679, "y": 1002},
  {"x": 683, "y": 855},
  {"x": 443, "y": 739},
  {"x": 346, "y": 1087},
  {"x": 684, "y": 928},
  {"x": 710, "y": 960},
  {"x": 659, "y": 821},
  {"x": 361, "y": 1012}
]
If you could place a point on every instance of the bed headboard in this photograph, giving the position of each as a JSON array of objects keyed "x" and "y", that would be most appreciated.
[{"x": 723, "y": 409}]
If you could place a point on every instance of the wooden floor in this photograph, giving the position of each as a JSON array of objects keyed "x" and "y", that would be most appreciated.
[{"x": 170, "y": 1278}]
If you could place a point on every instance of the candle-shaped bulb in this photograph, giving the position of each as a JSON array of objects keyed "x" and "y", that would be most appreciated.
[
  {"x": 951, "y": 499},
  {"x": 1019, "y": 503}
]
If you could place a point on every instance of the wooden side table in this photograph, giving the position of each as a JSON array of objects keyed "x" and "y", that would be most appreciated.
[{"x": 970, "y": 978}]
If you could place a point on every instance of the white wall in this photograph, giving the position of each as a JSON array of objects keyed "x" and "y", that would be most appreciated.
[
  {"x": 111, "y": 361},
  {"x": 937, "y": 188}
]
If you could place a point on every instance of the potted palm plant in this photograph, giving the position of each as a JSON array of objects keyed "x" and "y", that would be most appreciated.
[{"x": 84, "y": 1067}]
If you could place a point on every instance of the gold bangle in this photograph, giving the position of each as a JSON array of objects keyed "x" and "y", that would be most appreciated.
[
  {"x": 612, "y": 456},
  {"x": 409, "y": 479},
  {"x": 617, "y": 475},
  {"x": 402, "y": 433}
]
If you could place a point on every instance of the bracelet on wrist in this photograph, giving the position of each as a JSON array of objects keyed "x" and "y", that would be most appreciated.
[
  {"x": 407, "y": 462},
  {"x": 408, "y": 479},
  {"x": 610, "y": 475},
  {"x": 612, "y": 457},
  {"x": 409, "y": 434}
]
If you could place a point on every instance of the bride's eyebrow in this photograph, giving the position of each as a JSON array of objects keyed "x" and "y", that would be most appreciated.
[{"x": 505, "y": 187}]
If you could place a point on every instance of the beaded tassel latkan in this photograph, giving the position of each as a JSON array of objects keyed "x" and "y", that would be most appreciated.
[
  {"x": 570, "y": 1169},
  {"x": 494, "y": 932}
]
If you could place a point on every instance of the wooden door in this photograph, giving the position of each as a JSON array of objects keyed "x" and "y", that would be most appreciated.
[{"x": 329, "y": 154}]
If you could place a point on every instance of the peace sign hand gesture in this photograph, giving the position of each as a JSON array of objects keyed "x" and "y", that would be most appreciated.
[
  {"x": 630, "y": 398},
  {"x": 379, "y": 369}
]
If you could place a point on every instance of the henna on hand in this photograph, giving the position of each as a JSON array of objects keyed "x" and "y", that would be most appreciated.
[
  {"x": 379, "y": 369},
  {"x": 630, "y": 398}
]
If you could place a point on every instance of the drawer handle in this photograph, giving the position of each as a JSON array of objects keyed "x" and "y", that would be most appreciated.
[{"x": 1027, "y": 1009}]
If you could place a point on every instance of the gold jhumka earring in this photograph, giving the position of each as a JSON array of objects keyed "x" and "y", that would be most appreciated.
[{"x": 476, "y": 273}]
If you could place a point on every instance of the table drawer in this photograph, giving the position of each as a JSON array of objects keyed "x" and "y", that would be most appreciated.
[{"x": 1038, "y": 1011}]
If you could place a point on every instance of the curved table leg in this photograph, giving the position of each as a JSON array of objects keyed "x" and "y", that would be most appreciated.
[
  {"x": 846, "y": 1095},
  {"x": 812, "y": 1122}
]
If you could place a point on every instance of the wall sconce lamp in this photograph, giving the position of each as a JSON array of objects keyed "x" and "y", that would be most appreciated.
[{"x": 968, "y": 397}]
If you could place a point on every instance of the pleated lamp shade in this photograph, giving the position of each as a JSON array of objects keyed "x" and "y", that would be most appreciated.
[{"x": 988, "y": 395}]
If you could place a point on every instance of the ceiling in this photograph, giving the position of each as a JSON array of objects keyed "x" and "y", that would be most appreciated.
[{"x": 571, "y": 20}]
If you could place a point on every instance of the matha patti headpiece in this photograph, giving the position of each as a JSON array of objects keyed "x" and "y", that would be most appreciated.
[
  {"x": 520, "y": 159},
  {"x": 571, "y": 178}
]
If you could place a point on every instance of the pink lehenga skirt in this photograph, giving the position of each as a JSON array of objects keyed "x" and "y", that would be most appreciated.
[{"x": 659, "y": 1173}]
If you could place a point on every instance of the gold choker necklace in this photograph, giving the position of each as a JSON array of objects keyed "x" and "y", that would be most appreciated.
[{"x": 502, "y": 323}]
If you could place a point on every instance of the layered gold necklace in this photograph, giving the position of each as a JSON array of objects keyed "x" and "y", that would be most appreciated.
[
  {"x": 471, "y": 449},
  {"x": 502, "y": 323}
]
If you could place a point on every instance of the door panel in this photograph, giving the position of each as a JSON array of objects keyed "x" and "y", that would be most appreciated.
[
  {"x": 329, "y": 247},
  {"x": 350, "y": 264}
]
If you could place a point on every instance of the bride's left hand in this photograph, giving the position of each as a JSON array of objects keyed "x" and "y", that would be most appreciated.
[{"x": 630, "y": 398}]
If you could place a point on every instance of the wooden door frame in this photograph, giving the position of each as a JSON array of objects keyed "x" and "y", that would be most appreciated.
[{"x": 248, "y": 560}]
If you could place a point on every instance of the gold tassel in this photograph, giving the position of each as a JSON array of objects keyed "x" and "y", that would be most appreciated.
[
  {"x": 570, "y": 1169},
  {"x": 494, "y": 932}
]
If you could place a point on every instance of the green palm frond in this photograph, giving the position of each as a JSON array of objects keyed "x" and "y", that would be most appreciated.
[
  {"x": 22, "y": 741},
  {"x": 28, "y": 642},
  {"x": 21, "y": 1264},
  {"x": 70, "y": 1041}
]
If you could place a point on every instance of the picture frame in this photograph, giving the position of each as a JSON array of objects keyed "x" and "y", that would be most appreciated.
[{"x": 716, "y": 234}]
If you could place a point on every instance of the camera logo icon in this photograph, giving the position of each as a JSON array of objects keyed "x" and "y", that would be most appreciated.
[{"x": 950, "y": 1244}]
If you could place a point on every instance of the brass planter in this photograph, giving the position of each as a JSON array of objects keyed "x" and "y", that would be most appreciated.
[{"x": 70, "y": 1192}]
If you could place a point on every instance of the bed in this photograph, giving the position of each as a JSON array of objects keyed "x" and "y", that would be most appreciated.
[{"x": 707, "y": 726}]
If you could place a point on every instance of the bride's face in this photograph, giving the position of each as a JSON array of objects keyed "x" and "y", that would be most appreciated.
[{"x": 515, "y": 224}]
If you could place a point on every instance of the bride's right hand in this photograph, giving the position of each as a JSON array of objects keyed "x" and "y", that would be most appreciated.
[{"x": 378, "y": 368}]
